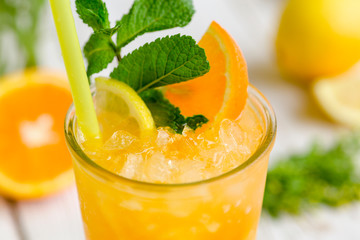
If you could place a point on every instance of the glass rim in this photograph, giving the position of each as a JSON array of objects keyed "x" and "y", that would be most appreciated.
[{"x": 262, "y": 149}]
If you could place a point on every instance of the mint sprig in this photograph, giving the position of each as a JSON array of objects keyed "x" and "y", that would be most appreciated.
[
  {"x": 165, "y": 61},
  {"x": 153, "y": 15},
  {"x": 167, "y": 115},
  {"x": 144, "y": 16}
]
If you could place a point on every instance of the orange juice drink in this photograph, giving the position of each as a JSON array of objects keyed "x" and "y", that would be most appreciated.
[
  {"x": 176, "y": 143},
  {"x": 201, "y": 185}
]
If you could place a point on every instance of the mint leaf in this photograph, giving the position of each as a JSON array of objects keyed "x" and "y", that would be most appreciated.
[
  {"x": 163, "y": 112},
  {"x": 99, "y": 51},
  {"x": 165, "y": 61},
  {"x": 167, "y": 115},
  {"x": 153, "y": 15},
  {"x": 93, "y": 13}
]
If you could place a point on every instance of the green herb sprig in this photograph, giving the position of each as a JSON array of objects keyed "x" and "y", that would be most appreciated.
[
  {"x": 20, "y": 19},
  {"x": 165, "y": 114},
  {"x": 320, "y": 176},
  {"x": 168, "y": 60}
]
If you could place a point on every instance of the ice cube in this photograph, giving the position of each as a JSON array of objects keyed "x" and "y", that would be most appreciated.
[
  {"x": 248, "y": 209},
  {"x": 210, "y": 225},
  {"x": 226, "y": 208},
  {"x": 236, "y": 157},
  {"x": 162, "y": 138},
  {"x": 218, "y": 157},
  {"x": 250, "y": 119},
  {"x": 157, "y": 168},
  {"x": 213, "y": 226},
  {"x": 131, "y": 205},
  {"x": 190, "y": 170},
  {"x": 187, "y": 130},
  {"x": 253, "y": 127},
  {"x": 119, "y": 140},
  {"x": 132, "y": 165},
  {"x": 230, "y": 135}
]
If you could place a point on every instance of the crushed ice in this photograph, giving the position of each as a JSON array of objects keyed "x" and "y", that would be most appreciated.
[{"x": 175, "y": 158}]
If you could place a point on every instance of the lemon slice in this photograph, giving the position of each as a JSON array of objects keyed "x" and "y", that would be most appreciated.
[
  {"x": 119, "y": 107},
  {"x": 339, "y": 96}
]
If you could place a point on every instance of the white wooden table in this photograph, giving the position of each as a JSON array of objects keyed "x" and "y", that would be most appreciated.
[{"x": 253, "y": 24}]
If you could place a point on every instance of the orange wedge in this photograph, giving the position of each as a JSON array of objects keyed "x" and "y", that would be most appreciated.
[
  {"x": 222, "y": 92},
  {"x": 34, "y": 160}
]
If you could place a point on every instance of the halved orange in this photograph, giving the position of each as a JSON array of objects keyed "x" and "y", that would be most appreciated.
[
  {"x": 222, "y": 92},
  {"x": 34, "y": 160}
]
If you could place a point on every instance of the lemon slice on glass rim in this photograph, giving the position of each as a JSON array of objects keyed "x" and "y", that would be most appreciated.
[
  {"x": 339, "y": 96},
  {"x": 119, "y": 107}
]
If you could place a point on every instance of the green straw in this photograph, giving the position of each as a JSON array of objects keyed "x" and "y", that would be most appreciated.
[{"x": 75, "y": 68}]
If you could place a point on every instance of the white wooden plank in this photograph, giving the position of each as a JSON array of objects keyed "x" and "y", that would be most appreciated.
[
  {"x": 324, "y": 224},
  {"x": 8, "y": 228},
  {"x": 55, "y": 218}
]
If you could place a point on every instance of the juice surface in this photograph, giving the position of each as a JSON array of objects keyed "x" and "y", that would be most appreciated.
[{"x": 179, "y": 158}]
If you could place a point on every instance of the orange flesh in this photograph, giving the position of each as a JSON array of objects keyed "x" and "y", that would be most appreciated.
[
  {"x": 222, "y": 92},
  {"x": 34, "y": 164},
  {"x": 212, "y": 86}
]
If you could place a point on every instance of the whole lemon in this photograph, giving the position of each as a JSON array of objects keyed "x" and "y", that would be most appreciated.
[{"x": 318, "y": 38}]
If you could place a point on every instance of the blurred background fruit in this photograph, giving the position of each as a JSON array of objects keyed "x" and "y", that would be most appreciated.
[
  {"x": 339, "y": 96},
  {"x": 34, "y": 160},
  {"x": 318, "y": 38}
]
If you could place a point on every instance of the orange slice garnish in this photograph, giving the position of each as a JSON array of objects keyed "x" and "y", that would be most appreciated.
[
  {"x": 34, "y": 159},
  {"x": 222, "y": 92}
]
